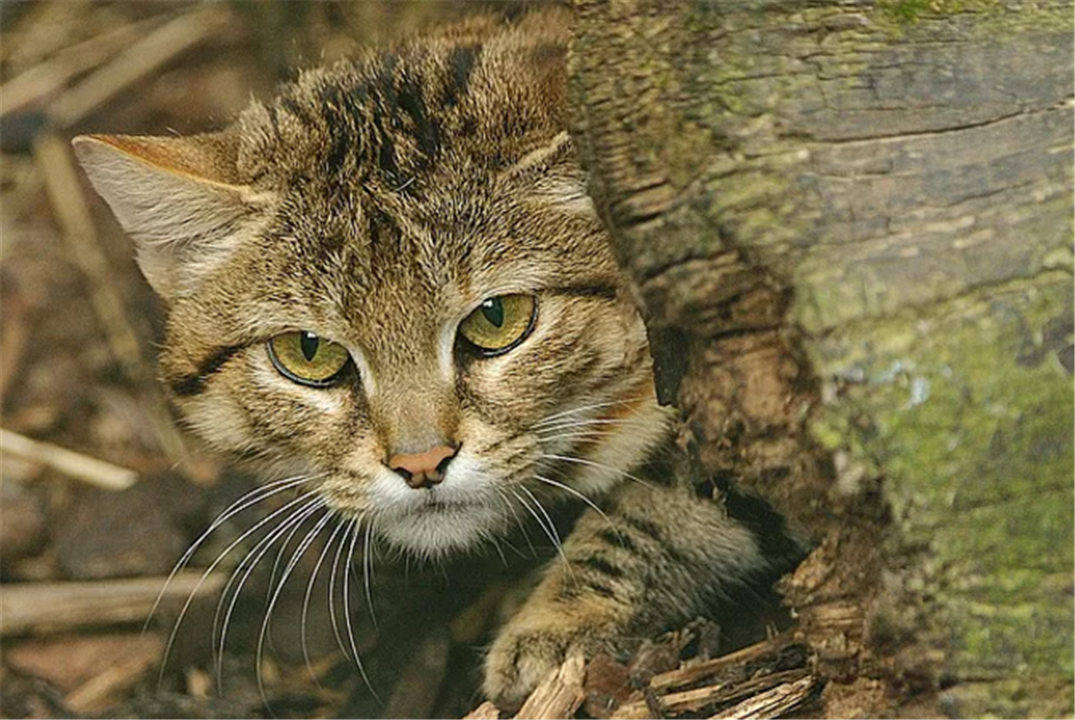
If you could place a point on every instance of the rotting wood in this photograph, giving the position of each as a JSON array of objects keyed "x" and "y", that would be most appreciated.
[
  {"x": 47, "y": 607},
  {"x": 902, "y": 171},
  {"x": 98, "y": 473},
  {"x": 56, "y": 164},
  {"x": 696, "y": 699},
  {"x": 559, "y": 694},
  {"x": 697, "y": 672},
  {"x": 771, "y": 703},
  {"x": 485, "y": 711},
  {"x": 137, "y": 62}
]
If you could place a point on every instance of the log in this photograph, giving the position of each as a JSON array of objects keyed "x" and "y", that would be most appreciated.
[
  {"x": 848, "y": 227},
  {"x": 49, "y": 607}
]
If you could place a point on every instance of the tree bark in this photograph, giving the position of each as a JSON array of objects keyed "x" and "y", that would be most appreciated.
[{"x": 849, "y": 228}]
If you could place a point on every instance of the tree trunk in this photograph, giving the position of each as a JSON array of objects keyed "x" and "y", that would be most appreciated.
[{"x": 849, "y": 227}]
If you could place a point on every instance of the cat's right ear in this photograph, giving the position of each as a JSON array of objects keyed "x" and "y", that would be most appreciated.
[{"x": 179, "y": 198}]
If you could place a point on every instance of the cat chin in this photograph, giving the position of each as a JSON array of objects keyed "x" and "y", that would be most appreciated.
[
  {"x": 450, "y": 519},
  {"x": 440, "y": 531}
]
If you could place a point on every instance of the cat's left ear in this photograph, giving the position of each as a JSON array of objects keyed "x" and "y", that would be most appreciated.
[
  {"x": 179, "y": 198},
  {"x": 557, "y": 179}
]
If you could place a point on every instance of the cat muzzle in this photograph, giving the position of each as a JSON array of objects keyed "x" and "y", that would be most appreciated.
[{"x": 424, "y": 469}]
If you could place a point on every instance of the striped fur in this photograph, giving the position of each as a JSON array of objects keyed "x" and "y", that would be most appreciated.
[{"x": 377, "y": 203}]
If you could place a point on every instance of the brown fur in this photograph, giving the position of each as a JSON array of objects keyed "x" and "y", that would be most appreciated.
[{"x": 377, "y": 203}]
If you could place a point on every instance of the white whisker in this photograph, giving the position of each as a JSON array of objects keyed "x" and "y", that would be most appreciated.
[
  {"x": 208, "y": 571},
  {"x": 550, "y": 529},
  {"x": 309, "y": 591},
  {"x": 348, "y": 525},
  {"x": 580, "y": 496},
  {"x": 247, "y": 500},
  {"x": 304, "y": 544},
  {"x": 347, "y": 611},
  {"x": 578, "y": 435},
  {"x": 367, "y": 571},
  {"x": 250, "y": 562},
  {"x": 602, "y": 466},
  {"x": 518, "y": 521},
  {"x": 567, "y": 425},
  {"x": 575, "y": 411}
]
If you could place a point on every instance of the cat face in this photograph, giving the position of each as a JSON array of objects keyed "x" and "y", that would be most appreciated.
[{"x": 389, "y": 281}]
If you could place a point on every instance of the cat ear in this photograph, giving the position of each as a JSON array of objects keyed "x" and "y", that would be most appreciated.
[
  {"x": 557, "y": 179},
  {"x": 179, "y": 198}
]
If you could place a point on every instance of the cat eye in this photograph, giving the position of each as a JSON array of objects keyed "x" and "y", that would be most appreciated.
[
  {"x": 500, "y": 323},
  {"x": 307, "y": 359}
]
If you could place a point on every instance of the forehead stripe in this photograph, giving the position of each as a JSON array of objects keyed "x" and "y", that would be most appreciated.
[
  {"x": 194, "y": 383},
  {"x": 603, "y": 291}
]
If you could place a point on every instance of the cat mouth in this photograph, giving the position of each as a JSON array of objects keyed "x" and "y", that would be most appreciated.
[{"x": 432, "y": 505}]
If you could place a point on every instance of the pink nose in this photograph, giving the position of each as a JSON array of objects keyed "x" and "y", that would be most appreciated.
[{"x": 424, "y": 469}]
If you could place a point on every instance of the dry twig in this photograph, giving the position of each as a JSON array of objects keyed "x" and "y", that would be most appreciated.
[
  {"x": 44, "y": 79},
  {"x": 690, "y": 674},
  {"x": 137, "y": 62},
  {"x": 53, "y": 607},
  {"x": 485, "y": 711},
  {"x": 74, "y": 465},
  {"x": 96, "y": 694},
  {"x": 559, "y": 694},
  {"x": 771, "y": 703}
]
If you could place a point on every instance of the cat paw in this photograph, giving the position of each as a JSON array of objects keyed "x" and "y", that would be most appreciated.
[{"x": 521, "y": 657}]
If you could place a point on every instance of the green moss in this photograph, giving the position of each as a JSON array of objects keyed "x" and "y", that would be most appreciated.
[
  {"x": 906, "y": 11},
  {"x": 896, "y": 16},
  {"x": 967, "y": 412}
]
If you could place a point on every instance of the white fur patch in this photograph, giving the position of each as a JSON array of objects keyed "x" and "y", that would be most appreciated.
[{"x": 459, "y": 513}]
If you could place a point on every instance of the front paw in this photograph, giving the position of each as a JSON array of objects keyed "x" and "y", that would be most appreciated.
[{"x": 525, "y": 652}]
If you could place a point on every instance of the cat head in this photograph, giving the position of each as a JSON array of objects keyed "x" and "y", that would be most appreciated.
[{"x": 390, "y": 282}]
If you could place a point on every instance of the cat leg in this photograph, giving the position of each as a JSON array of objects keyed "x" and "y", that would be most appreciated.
[{"x": 658, "y": 558}]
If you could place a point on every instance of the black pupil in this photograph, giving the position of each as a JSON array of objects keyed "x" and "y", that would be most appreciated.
[
  {"x": 493, "y": 310},
  {"x": 308, "y": 343}
]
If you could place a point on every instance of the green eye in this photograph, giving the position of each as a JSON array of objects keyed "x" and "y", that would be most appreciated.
[
  {"x": 307, "y": 359},
  {"x": 500, "y": 323}
]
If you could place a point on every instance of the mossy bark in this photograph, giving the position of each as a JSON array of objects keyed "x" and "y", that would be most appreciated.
[{"x": 849, "y": 227}]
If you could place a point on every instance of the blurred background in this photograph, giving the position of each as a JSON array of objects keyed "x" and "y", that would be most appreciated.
[{"x": 102, "y": 493}]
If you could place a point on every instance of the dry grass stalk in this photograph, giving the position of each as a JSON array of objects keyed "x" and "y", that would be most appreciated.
[
  {"x": 40, "y": 81},
  {"x": 74, "y": 465},
  {"x": 45, "y": 607},
  {"x": 137, "y": 62}
]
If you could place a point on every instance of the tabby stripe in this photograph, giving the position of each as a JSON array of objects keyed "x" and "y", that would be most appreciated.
[
  {"x": 603, "y": 590},
  {"x": 599, "y": 564},
  {"x": 617, "y": 539},
  {"x": 412, "y": 101},
  {"x": 646, "y": 527},
  {"x": 602, "y": 291},
  {"x": 462, "y": 62},
  {"x": 194, "y": 383}
]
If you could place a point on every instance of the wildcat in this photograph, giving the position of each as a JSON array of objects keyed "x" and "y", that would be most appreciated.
[{"x": 390, "y": 279}]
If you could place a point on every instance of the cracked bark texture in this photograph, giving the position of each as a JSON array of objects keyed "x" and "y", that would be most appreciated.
[{"x": 849, "y": 227}]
